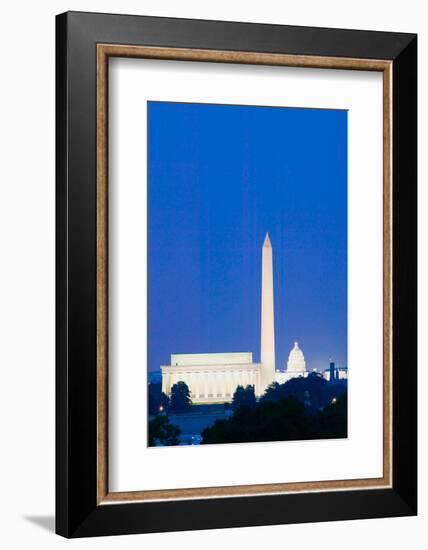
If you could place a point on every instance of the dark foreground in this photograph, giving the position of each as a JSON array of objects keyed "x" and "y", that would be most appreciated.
[{"x": 301, "y": 409}]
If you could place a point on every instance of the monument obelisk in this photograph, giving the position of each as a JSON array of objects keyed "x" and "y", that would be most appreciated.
[{"x": 267, "y": 344}]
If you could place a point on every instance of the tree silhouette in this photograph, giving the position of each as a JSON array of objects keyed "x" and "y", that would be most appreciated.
[
  {"x": 180, "y": 398},
  {"x": 162, "y": 432},
  {"x": 284, "y": 419},
  {"x": 312, "y": 390},
  {"x": 332, "y": 421},
  {"x": 244, "y": 397},
  {"x": 158, "y": 401}
]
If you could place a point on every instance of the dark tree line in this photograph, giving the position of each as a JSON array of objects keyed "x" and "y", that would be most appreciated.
[
  {"x": 302, "y": 408},
  {"x": 314, "y": 391},
  {"x": 161, "y": 430},
  {"x": 158, "y": 401},
  {"x": 282, "y": 420},
  {"x": 244, "y": 397},
  {"x": 178, "y": 402}
]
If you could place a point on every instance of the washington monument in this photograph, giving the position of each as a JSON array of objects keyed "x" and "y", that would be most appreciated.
[
  {"x": 267, "y": 341},
  {"x": 214, "y": 377}
]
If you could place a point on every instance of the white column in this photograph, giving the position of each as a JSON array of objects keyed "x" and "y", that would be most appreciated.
[
  {"x": 196, "y": 384},
  {"x": 212, "y": 383},
  {"x": 200, "y": 383},
  {"x": 233, "y": 383},
  {"x": 227, "y": 382},
  {"x": 206, "y": 384},
  {"x": 215, "y": 384},
  {"x": 190, "y": 384}
]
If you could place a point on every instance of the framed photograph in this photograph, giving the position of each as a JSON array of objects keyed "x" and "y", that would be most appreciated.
[{"x": 236, "y": 274}]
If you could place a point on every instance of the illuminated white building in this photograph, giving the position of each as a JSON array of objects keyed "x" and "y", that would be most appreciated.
[
  {"x": 296, "y": 366},
  {"x": 213, "y": 377}
]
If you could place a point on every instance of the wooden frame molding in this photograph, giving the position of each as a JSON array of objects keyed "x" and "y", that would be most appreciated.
[{"x": 104, "y": 52}]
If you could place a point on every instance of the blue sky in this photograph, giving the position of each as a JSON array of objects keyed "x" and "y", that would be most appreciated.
[{"x": 219, "y": 178}]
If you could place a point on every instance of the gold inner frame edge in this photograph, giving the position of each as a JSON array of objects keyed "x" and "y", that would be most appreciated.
[{"x": 104, "y": 51}]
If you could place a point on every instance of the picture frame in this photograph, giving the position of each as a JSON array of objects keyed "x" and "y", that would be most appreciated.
[{"x": 84, "y": 44}]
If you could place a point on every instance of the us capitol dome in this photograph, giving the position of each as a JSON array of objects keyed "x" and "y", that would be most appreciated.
[
  {"x": 295, "y": 368},
  {"x": 296, "y": 360}
]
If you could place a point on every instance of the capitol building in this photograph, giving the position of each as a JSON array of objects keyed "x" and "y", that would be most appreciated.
[{"x": 214, "y": 377}]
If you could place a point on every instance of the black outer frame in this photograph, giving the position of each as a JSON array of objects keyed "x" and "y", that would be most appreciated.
[{"x": 77, "y": 513}]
